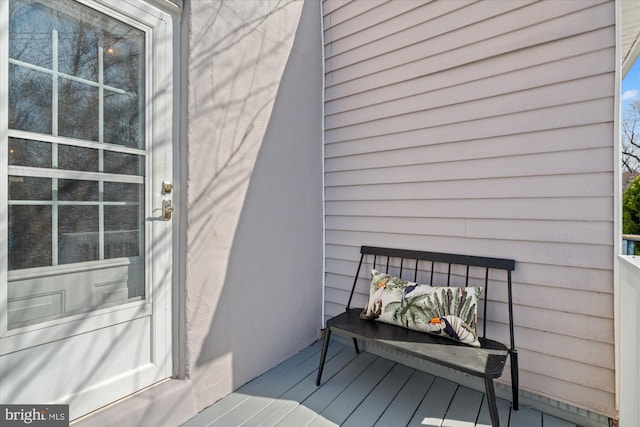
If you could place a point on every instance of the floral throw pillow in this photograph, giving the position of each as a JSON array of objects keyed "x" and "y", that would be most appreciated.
[{"x": 451, "y": 312}]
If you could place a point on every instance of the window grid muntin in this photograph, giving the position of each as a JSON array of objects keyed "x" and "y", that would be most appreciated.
[{"x": 55, "y": 174}]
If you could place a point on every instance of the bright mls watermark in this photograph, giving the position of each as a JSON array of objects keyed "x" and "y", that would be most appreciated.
[{"x": 34, "y": 415}]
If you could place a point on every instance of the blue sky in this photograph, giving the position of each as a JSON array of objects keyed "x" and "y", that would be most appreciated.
[{"x": 631, "y": 86}]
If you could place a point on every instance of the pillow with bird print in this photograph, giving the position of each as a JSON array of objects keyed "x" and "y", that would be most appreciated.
[{"x": 451, "y": 312}]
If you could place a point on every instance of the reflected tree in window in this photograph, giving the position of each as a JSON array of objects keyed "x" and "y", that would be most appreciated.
[{"x": 74, "y": 73}]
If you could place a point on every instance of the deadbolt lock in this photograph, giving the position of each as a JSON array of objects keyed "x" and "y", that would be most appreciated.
[{"x": 167, "y": 187}]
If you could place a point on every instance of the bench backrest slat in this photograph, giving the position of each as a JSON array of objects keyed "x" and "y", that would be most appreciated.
[
  {"x": 486, "y": 298},
  {"x": 469, "y": 261}
]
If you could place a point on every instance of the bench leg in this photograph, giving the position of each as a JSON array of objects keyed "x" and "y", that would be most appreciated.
[
  {"x": 355, "y": 344},
  {"x": 325, "y": 346},
  {"x": 491, "y": 401},
  {"x": 514, "y": 378}
]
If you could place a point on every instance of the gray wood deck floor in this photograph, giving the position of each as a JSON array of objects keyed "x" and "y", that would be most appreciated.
[{"x": 358, "y": 390}]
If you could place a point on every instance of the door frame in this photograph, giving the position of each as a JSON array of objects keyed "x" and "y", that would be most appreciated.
[{"x": 161, "y": 105}]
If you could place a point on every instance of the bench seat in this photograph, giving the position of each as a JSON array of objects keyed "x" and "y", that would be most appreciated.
[{"x": 486, "y": 361}]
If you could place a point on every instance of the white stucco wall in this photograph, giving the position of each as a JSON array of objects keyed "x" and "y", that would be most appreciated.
[{"x": 252, "y": 188}]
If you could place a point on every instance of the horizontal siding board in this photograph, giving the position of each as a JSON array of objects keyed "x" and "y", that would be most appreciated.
[
  {"x": 528, "y": 131},
  {"x": 330, "y": 7},
  {"x": 359, "y": 16},
  {"x": 562, "y": 323},
  {"x": 446, "y": 32},
  {"x": 592, "y": 399},
  {"x": 562, "y": 276},
  {"x": 332, "y": 308},
  {"x": 545, "y": 141},
  {"x": 568, "y": 347},
  {"x": 355, "y": 81},
  {"x": 576, "y": 209},
  {"x": 400, "y": 225},
  {"x": 596, "y": 304},
  {"x": 568, "y": 93},
  {"x": 344, "y": 253},
  {"x": 594, "y": 160},
  {"x": 587, "y": 233},
  {"x": 558, "y": 117},
  {"x": 585, "y": 256},
  {"x": 394, "y": 25},
  {"x": 404, "y": 31},
  {"x": 567, "y": 370},
  {"x": 548, "y": 75},
  {"x": 548, "y": 186},
  {"x": 349, "y": 10},
  {"x": 583, "y": 232},
  {"x": 341, "y": 98},
  {"x": 341, "y": 296}
]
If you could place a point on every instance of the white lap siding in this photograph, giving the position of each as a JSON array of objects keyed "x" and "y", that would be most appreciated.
[{"x": 484, "y": 128}]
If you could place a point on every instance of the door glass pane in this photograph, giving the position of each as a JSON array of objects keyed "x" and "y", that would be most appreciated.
[
  {"x": 122, "y": 163},
  {"x": 122, "y": 231},
  {"x": 78, "y": 40},
  {"x": 31, "y": 32},
  {"x": 78, "y": 110},
  {"x": 122, "y": 220},
  {"x": 78, "y": 234},
  {"x": 29, "y": 236},
  {"x": 121, "y": 192},
  {"x": 77, "y": 190},
  {"x": 77, "y": 158},
  {"x": 77, "y": 76},
  {"x": 29, "y": 188},
  {"x": 123, "y": 68},
  {"x": 24, "y": 152},
  {"x": 122, "y": 120},
  {"x": 30, "y": 105}
]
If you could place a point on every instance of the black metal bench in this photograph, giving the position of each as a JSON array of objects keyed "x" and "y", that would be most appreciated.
[{"x": 486, "y": 362}]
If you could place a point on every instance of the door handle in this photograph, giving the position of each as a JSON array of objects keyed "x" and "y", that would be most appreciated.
[{"x": 167, "y": 209}]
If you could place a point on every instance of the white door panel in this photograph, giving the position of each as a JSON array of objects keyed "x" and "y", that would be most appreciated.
[
  {"x": 47, "y": 297},
  {"x": 86, "y": 370}
]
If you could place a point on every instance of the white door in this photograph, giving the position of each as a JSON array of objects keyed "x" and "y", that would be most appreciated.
[{"x": 85, "y": 247}]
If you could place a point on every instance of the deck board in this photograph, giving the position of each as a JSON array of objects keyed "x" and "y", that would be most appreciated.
[
  {"x": 464, "y": 408},
  {"x": 257, "y": 387},
  {"x": 551, "y": 421},
  {"x": 374, "y": 405},
  {"x": 358, "y": 390},
  {"x": 433, "y": 407},
  {"x": 525, "y": 417},
  {"x": 401, "y": 409},
  {"x": 504, "y": 410},
  {"x": 278, "y": 383},
  {"x": 288, "y": 401},
  {"x": 345, "y": 403},
  {"x": 305, "y": 413}
]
